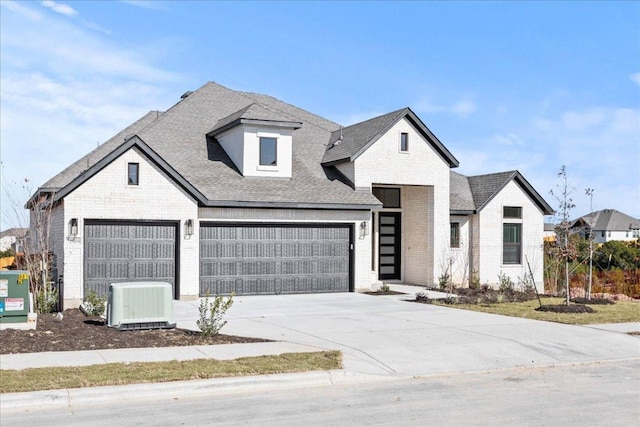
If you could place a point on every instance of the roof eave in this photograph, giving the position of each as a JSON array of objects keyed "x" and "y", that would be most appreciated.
[
  {"x": 255, "y": 122},
  {"x": 289, "y": 205}
]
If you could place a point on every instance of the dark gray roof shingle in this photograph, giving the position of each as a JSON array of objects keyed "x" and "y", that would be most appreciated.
[
  {"x": 609, "y": 220},
  {"x": 474, "y": 192},
  {"x": 179, "y": 136}
]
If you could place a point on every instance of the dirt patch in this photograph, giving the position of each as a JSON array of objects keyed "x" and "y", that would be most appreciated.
[
  {"x": 76, "y": 331},
  {"x": 561, "y": 308},
  {"x": 383, "y": 293}
]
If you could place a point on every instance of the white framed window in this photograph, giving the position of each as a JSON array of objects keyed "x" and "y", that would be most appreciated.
[{"x": 268, "y": 151}]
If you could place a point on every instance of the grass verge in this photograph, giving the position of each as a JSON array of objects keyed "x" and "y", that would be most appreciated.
[
  {"x": 34, "y": 379},
  {"x": 621, "y": 311}
]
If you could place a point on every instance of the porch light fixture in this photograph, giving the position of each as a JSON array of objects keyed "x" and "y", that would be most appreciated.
[
  {"x": 364, "y": 229},
  {"x": 73, "y": 227},
  {"x": 188, "y": 228}
]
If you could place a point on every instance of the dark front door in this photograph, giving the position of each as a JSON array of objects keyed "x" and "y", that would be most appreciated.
[{"x": 389, "y": 245}]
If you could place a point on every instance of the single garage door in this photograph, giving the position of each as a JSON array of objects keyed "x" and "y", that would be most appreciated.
[
  {"x": 119, "y": 251},
  {"x": 251, "y": 259}
]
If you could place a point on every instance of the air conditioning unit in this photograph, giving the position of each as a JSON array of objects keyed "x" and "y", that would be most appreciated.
[{"x": 140, "y": 305}]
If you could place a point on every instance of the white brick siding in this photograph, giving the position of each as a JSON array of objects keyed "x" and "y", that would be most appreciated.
[
  {"x": 107, "y": 196},
  {"x": 490, "y": 221},
  {"x": 421, "y": 166}
]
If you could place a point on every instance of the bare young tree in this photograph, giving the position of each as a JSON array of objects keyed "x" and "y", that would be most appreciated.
[
  {"x": 565, "y": 204},
  {"x": 36, "y": 216},
  {"x": 590, "y": 237}
]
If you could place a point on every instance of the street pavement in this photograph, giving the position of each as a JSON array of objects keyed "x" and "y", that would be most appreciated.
[{"x": 382, "y": 338}]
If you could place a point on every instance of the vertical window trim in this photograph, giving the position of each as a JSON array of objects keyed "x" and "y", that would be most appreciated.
[
  {"x": 454, "y": 240},
  {"x": 404, "y": 142},
  {"x": 136, "y": 175},
  {"x": 275, "y": 150}
]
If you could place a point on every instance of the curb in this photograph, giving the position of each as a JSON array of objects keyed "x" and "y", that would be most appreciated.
[{"x": 69, "y": 398}]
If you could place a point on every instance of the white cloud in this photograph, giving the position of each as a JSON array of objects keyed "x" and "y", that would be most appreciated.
[
  {"x": 145, "y": 4},
  {"x": 60, "y": 8},
  {"x": 510, "y": 139},
  {"x": 635, "y": 77},
  {"x": 573, "y": 120},
  {"x": 461, "y": 108},
  {"x": 18, "y": 8},
  {"x": 64, "y": 89}
]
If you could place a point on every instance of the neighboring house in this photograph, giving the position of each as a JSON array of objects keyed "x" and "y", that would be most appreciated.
[
  {"x": 13, "y": 238},
  {"x": 239, "y": 192},
  {"x": 606, "y": 225},
  {"x": 549, "y": 232}
]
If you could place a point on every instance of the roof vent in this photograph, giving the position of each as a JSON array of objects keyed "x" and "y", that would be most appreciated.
[{"x": 187, "y": 93}]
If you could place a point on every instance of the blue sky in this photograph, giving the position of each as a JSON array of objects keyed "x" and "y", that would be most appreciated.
[{"x": 527, "y": 86}]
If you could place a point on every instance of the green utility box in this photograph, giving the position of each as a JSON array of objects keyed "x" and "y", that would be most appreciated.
[{"x": 14, "y": 296}]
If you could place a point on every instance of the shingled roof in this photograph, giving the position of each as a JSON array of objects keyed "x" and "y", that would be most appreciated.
[
  {"x": 346, "y": 144},
  {"x": 474, "y": 192},
  {"x": 608, "y": 220},
  {"x": 177, "y": 141}
]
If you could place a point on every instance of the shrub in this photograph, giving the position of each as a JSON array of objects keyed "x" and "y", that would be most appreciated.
[
  {"x": 94, "y": 305},
  {"x": 443, "y": 281},
  {"x": 385, "y": 288},
  {"x": 505, "y": 283},
  {"x": 211, "y": 314},
  {"x": 46, "y": 299}
]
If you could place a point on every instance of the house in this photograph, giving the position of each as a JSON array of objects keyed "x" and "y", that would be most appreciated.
[
  {"x": 549, "y": 232},
  {"x": 606, "y": 225},
  {"x": 13, "y": 238},
  {"x": 231, "y": 191}
]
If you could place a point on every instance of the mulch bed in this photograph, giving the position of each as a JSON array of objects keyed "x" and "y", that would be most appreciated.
[
  {"x": 76, "y": 331},
  {"x": 383, "y": 293},
  {"x": 592, "y": 301},
  {"x": 561, "y": 308}
]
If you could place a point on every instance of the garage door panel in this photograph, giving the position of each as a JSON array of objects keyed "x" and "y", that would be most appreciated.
[
  {"x": 268, "y": 259},
  {"x": 121, "y": 251}
]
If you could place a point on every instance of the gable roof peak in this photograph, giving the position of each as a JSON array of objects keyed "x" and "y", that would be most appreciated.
[{"x": 357, "y": 138}]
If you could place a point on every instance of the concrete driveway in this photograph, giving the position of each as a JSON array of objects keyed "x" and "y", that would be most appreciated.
[{"x": 385, "y": 335}]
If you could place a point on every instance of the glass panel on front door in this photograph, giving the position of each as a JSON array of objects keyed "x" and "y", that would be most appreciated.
[{"x": 389, "y": 246}]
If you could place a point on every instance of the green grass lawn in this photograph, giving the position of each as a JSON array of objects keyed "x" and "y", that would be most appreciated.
[
  {"x": 152, "y": 372},
  {"x": 621, "y": 311}
]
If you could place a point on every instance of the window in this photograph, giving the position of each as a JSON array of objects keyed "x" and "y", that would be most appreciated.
[
  {"x": 404, "y": 141},
  {"x": 603, "y": 234},
  {"x": 390, "y": 197},
  {"x": 268, "y": 146},
  {"x": 455, "y": 234},
  {"x": 512, "y": 212},
  {"x": 511, "y": 243},
  {"x": 133, "y": 173}
]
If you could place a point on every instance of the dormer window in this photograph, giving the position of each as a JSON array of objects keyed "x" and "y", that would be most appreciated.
[{"x": 268, "y": 151}]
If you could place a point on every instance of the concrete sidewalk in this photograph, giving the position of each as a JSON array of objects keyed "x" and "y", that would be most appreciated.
[{"x": 381, "y": 338}]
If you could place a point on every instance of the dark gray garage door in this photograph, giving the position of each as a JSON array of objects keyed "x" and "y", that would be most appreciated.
[
  {"x": 116, "y": 251},
  {"x": 253, "y": 259}
]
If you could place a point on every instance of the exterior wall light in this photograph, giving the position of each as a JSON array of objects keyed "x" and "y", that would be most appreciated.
[
  {"x": 364, "y": 229},
  {"x": 188, "y": 228},
  {"x": 73, "y": 227}
]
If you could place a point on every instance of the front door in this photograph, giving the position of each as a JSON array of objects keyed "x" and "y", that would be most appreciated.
[{"x": 389, "y": 245}]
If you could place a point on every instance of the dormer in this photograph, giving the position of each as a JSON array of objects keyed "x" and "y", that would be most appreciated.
[{"x": 258, "y": 141}]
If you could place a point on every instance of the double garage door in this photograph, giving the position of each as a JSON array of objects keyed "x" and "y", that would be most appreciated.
[
  {"x": 250, "y": 259},
  {"x": 247, "y": 259}
]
